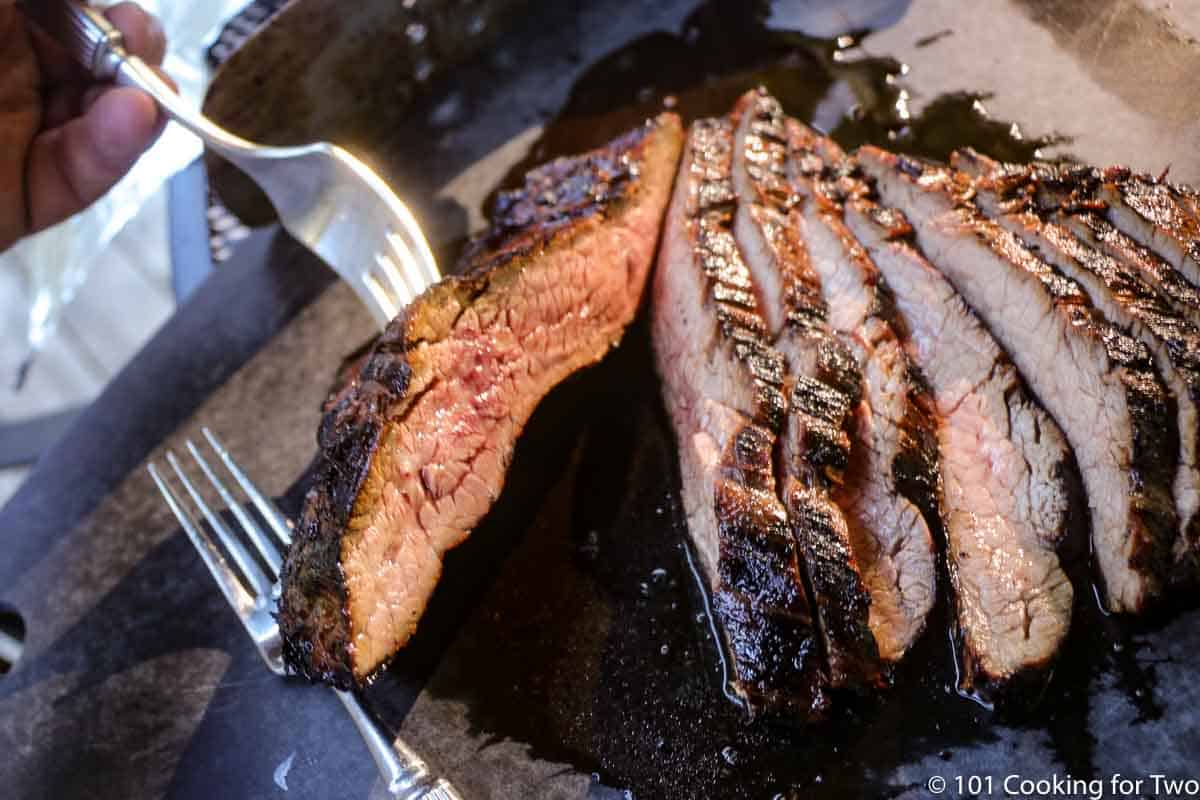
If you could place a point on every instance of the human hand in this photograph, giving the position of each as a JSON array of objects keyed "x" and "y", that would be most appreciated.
[{"x": 64, "y": 139}]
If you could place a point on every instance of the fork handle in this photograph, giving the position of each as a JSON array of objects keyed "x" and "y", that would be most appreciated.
[
  {"x": 407, "y": 775},
  {"x": 99, "y": 47}
]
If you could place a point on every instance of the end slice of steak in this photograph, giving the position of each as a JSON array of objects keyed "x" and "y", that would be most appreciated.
[
  {"x": 723, "y": 385},
  {"x": 414, "y": 452},
  {"x": 1004, "y": 465},
  {"x": 825, "y": 386},
  {"x": 1124, "y": 298},
  {"x": 1100, "y": 385},
  {"x": 892, "y": 473}
]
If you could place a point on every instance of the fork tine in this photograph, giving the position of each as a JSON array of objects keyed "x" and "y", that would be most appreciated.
[
  {"x": 379, "y": 299},
  {"x": 265, "y": 547},
  {"x": 402, "y": 289},
  {"x": 275, "y": 519},
  {"x": 241, "y": 556},
  {"x": 419, "y": 245},
  {"x": 231, "y": 586},
  {"x": 410, "y": 265}
]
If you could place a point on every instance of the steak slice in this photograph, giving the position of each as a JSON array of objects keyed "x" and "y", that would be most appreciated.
[
  {"x": 1123, "y": 297},
  {"x": 1068, "y": 194},
  {"x": 414, "y": 452},
  {"x": 1004, "y": 464},
  {"x": 825, "y": 386},
  {"x": 892, "y": 474},
  {"x": 723, "y": 385},
  {"x": 1100, "y": 385},
  {"x": 1182, "y": 294},
  {"x": 1156, "y": 214}
]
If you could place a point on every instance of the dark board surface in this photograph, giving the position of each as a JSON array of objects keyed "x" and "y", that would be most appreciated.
[{"x": 566, "y": 640}]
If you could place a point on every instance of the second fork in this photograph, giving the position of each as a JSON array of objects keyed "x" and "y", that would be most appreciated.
[{"x": 253, "y": 592}]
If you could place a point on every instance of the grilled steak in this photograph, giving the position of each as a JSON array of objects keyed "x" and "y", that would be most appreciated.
[
  {"x": 892, "y": 470},
  {"x": 414, "y": 452},
  {"x": 1158, "y": 215},
  {"x": 1070, "y": 193},
  {"x": 1127, "y": 300},
  {"x": 1004, "y": 466},
  {"x": 824, "y": 386},
  {"x": 723, "y": 385},
  {"x": 1182, "y": 294},
  {"x": 1101, "y": 385}
]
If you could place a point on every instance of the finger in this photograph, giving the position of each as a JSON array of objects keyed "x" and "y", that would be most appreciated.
[
  {"x": 56, "y": 63},
  {"x": 61, "y": 105},
  {"x": 64, "y": 103},
  {"x": 143, "y": 34},
  {"x": 71, "y": 166}
]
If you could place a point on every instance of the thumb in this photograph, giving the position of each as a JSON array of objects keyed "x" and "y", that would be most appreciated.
[{"x": 72, "y": 166}]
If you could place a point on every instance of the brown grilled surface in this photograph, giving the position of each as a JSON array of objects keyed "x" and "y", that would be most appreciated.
[
  {"x": 1182, "y": 294},
  {"x": 1155, "y": 213},
  {"x": 414, "y": 451},
  {"x": 1120, "y": 293},
  {"x": 1101, "y": 386},
  {"x": 760, "y": 598},
  {"x": 891, "y": 485},
  {"x": 825, "y": 386},
  {"x": 1068, "y": 194},
  {"x": 1005, "y": 467},
  {"x": 723, "y": 385},
  {"x": 553, "y": 196}
]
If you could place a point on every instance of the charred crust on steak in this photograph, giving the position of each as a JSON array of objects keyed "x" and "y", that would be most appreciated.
[
  {"x": 826, "y": 386},
  {"x": 552, "y": 197},
  {"x": 730, "y": 284}
]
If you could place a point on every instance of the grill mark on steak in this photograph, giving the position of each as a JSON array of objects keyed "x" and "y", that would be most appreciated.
[
  {"x": 1004, "y": 465},
  {"x": 1156, "y": 214},
  {"x": 892, "y": 476},
  {"x": 1181, "y": 293},
  {"x": 414, "y": 451},
  {"x": 723, "y": 387},
  {"x": 1068, "y": 194},
  {"x": 1100, "y": 385},
  {"x": 825, "y": 385},
  {"x": 1127, "y": 300}
]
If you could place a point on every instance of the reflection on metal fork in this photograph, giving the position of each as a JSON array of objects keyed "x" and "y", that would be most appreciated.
[{"x": 252, "y": 591}]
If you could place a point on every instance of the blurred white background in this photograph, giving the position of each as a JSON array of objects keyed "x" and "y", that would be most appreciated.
[{"x": 79, "y": 300}]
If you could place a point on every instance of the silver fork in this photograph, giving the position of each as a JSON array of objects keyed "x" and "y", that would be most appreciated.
[
  {"x": 330, "y": 201},
  {"x": 253, "y": 592}
]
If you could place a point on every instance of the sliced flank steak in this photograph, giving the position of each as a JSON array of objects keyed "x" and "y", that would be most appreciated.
[
  {"x": 892, "y": 475},
  {"x": 1119, "y": 292},
  {"x": 1157, "y": 214},
  {"x": 1005, "y": 470},
  {"x": 824, "y": 387},
  {"x": 414, "y": 452},
  {"x": 723, "y": 386},
  {"x": 1101, "y": 386}
]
